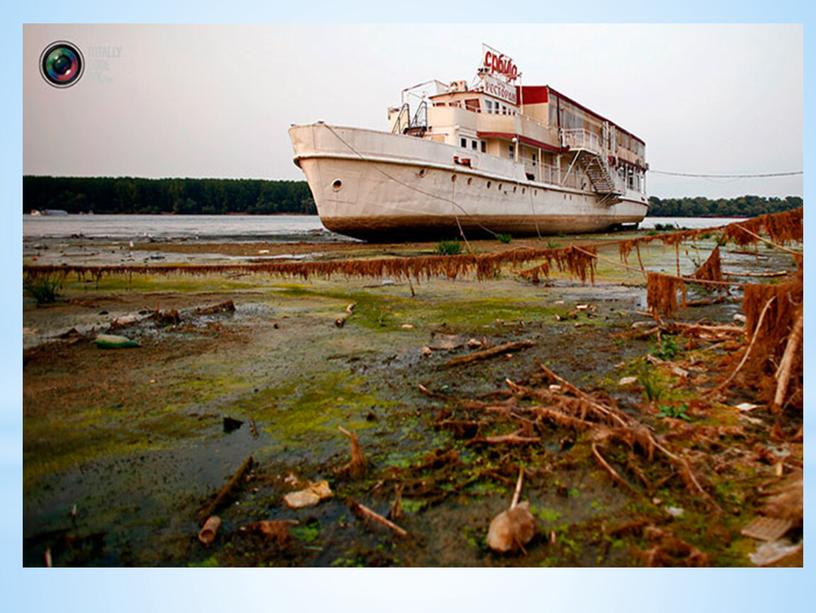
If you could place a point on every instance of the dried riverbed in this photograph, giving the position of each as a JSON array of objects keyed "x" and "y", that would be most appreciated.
[{"x": 122, "y": 448}]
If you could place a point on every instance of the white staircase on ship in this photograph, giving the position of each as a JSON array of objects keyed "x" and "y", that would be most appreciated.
[{"x": 591, "y": 156}]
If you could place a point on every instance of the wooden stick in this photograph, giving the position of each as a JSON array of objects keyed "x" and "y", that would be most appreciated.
[
  {"x": 357, "y": 465},
  {"x": 621, "y": 421},
  {"x": 505, "y": 439},
  {"x": 612, "y": 472},
  {"x": 775, "y": 273},
  {"x": 783, "y": 373},
  {"x": 485, "y": 354},
  {"x": 226, "y": 492},
  {"x": 366, "y": 513},
  {"x": 640, "y": 261},
  {"x": 517, "y": 493},
  {"x": 677, "y": 257},
  {"x": 765, "y": 240},
  {"x": 744, "y": 359}
]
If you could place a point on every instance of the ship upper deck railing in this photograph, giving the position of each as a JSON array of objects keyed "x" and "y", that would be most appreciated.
[{"x": 578, "y": 138}]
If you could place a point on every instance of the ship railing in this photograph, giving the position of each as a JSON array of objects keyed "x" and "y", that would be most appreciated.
[
  {"x": 578, "y": 138},
  {"x": 548, "y": 173}
]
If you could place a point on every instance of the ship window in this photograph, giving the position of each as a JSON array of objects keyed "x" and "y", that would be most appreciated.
[
  {"x": 514, "y": 189},
  {"x": 453, "y": 178},
  {"x": 422, "y": 172},
  {"x": 488, "y": 185},
  {"x": 489, "y": 106},
  {"x": 470, "y": 180},
  {"x": 523, "y": 190},
  {"x": 484, "y": 147},
  {"x": 474, "y": 145},
  {"x": 500, "y": 186},
  {"x": 463, "y": 142},
  {"x": 337, "y": 184},
  {"x": 535, "y": 192}
]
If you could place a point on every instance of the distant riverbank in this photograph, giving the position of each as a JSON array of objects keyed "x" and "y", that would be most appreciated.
[{"x": 131, "y": 195}]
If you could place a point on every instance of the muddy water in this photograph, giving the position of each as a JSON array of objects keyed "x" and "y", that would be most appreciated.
[{"x": 135, "y": 439}]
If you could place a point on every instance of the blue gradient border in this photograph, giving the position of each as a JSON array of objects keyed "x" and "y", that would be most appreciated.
[{"x": 392, "y": 590}]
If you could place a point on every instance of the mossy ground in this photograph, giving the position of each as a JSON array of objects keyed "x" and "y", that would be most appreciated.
[{"x": 134, "y": 438}]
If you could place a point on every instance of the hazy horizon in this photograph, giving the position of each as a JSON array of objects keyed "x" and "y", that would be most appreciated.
[{"x": 216, "y": 101}]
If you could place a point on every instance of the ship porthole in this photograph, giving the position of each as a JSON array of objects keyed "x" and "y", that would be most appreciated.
[
  {"x": 488, "y": 185},
  {"x": 453, "y": 178},
  {"x": 470, "y": 180},
  {"x": 337, "y": 185},
  {"x": 422, "y": 172}
]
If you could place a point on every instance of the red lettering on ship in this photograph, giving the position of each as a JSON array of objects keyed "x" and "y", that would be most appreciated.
[{"x": 500, "y": 64}]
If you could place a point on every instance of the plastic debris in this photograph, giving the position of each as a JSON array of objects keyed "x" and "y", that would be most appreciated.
[
  {"x": 767, "y": 528},
  {"x": 113, "y": 341},
  {"x": 772, "y": 552}
]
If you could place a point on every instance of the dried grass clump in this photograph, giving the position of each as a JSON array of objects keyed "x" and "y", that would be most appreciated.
[
  {"x": 661, "y": 293},
  {"x": 781, "y": 228},
  {"x": 770, "y": 335},
  {"x": 711, "y": 269},
  {"x": 578, "y": 262}
]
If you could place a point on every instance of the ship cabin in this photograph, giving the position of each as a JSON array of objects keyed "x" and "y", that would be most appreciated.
[{"x": 558, "y": 140}]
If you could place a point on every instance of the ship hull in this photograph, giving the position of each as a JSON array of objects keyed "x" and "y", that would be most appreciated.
[{"x": 380, "y": 186}]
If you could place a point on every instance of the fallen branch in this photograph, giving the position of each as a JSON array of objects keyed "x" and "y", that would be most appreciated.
[
  {"x": 612, "y": 472},
  {"x": 357, "y": 465},
  {"x": 744, "y": 359},
  {"x": 783, "y": 373},
  {"x": 228, "y": 306},
  {"x": 226, "y": 492},
  {"x": 615, "y": 416},
  {"x": 775, "y": 273},
  {"x": 485, "y": 354},
  {"x": 367, "y": 514},
  {"x": 517, "y": 492},
  {"x": 505, "y": 439}
]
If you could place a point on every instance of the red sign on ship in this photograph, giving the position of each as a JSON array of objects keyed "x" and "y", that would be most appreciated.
[{"x": 498, "y": 63}]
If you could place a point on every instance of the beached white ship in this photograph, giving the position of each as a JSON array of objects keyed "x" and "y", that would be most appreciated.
[{"x": 485, "y": 158}]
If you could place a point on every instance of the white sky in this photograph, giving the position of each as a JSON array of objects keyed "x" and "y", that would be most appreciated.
[{"x": 216, "y": 101}]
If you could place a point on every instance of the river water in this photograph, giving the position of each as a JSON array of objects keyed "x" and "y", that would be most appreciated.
[{"x": 232, "y": 227}]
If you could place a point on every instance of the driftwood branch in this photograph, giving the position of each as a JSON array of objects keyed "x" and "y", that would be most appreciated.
[
  {"x": 505, "y": 439},
  {"x": 367, "y": 514},
  {"x": 485, "y": 354},
  {"x": 517, "y": 492},
  {"x": 225, "y": 493},
  {"x": 783, "y": 373},
  {"x": 612, "y": 472},
  {"x": 744, "y": 359}
]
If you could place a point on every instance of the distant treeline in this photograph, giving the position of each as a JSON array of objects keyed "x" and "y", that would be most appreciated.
[
  {"x": 182, "y": 196},
  {"x": 744, "y": 206},
  {"x": 261, "y": 197}
]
